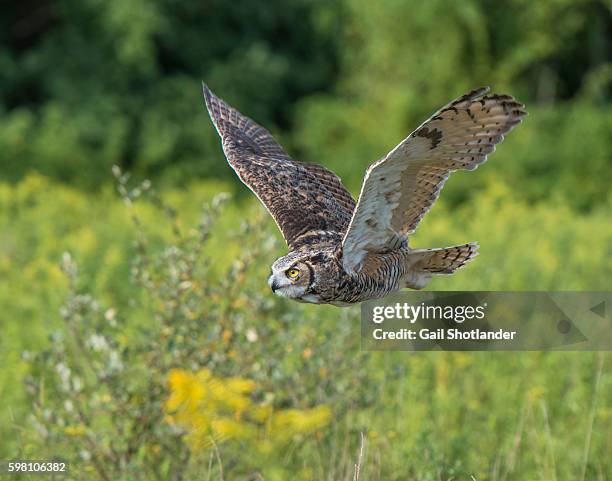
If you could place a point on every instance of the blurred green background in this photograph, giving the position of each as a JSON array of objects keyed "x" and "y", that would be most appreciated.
[{"x": 85, "y": 85}]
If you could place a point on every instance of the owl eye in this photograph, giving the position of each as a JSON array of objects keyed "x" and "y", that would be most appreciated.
[{"x": 293, "y": 273}]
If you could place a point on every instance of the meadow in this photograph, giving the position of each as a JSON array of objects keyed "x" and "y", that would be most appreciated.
[{"x": 157, "y": 304}]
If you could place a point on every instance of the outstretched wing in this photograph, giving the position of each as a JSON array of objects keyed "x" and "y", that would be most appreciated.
[
  {"x": 398, "y": 190},
  {"x": 301, "y": 197}
]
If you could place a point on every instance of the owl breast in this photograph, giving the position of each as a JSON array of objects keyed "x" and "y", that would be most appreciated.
[{"x": 385, "y": 273}]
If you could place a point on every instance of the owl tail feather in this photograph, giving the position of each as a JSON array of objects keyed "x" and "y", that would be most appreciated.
[{"x": 445, "y": 260}]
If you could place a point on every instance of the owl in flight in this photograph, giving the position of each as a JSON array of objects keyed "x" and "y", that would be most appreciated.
[{"x": 342, "y": 251}]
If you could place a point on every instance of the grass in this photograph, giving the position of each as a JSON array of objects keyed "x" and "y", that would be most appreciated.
[{"x": 427, "y": 416}]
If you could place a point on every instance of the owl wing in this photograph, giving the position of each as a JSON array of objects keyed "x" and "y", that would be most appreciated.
[
  {"x": 399, "y": 189},
  {"x": 301, "y": 197}
]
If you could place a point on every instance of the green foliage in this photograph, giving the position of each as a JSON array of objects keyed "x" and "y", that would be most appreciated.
[
  {"x": 98, "y": 392},
  {"x": 161, "y": 286},
  {"x": 403, "y": 60},
  {"x": 557, "y": 153},
  {"x": 89, "y": 84},
  {"x": 341, "y": 81}
]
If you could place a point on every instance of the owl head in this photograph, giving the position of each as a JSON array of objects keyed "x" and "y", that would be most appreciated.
[{"x": 295, "y": 276}]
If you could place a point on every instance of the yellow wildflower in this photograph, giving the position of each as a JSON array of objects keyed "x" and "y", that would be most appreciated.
[{"x": 75, "y": 430}]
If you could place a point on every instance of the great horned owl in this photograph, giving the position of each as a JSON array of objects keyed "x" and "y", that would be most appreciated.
[{"x": 342, "y": 252}]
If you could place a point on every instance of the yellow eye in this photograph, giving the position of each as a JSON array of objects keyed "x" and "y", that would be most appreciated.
[{"x": 293, "y": 273}]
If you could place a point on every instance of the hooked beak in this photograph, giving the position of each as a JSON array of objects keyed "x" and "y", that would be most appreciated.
[{"x": 274, "y": 285}]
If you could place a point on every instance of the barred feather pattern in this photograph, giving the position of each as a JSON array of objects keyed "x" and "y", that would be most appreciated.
[
  {"x": 446, "y": 260},
  {"x": 399, "y": 190},
  {"x": 300, "y": 197}
]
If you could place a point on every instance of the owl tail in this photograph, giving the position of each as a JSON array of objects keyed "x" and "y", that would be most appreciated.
[
  {"x": 445, "y": 260},
  {"x": 424, "y": 263}
]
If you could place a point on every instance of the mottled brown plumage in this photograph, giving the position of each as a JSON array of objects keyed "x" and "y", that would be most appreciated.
[
  {"x": 300, "y": 197},
  {"x": 344, "y": 252}
]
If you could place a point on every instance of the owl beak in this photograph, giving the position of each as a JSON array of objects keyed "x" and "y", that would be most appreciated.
[{"x": 274, "y": 285}]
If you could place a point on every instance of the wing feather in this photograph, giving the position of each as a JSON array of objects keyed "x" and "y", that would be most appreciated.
[
  {"x": 399, "y": 189},
  {"x": 301, "y": 197}
]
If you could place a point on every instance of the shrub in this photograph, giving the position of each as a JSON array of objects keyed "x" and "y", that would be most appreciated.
[{"x": 194, "y": 362}]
